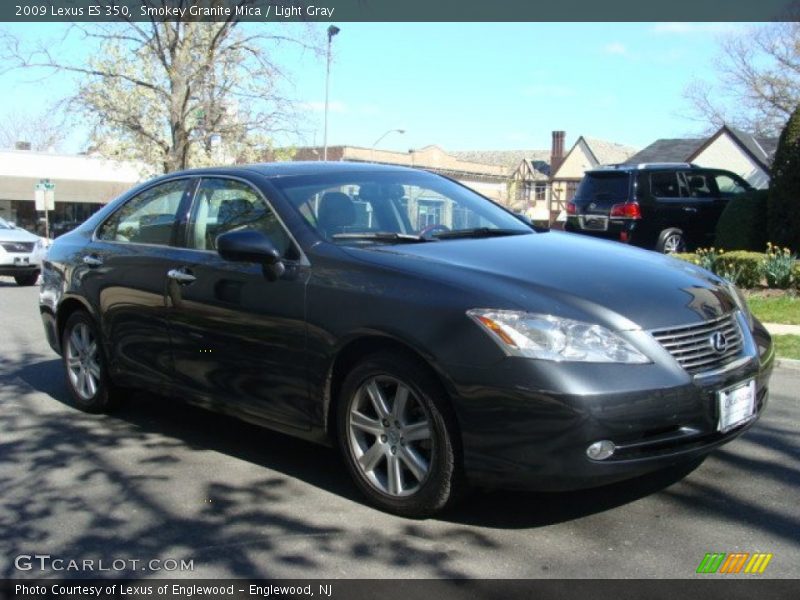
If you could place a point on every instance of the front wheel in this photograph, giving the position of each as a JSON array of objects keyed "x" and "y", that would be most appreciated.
[
  {"x": 398, "y": 436},
  {"x": 87, "y": 379},
  {"x": 671, "y": 241}
]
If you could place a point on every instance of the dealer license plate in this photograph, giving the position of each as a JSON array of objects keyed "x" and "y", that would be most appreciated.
[
  {"x": 594, "y": 223},
  {"x": 737, "y": 405}
]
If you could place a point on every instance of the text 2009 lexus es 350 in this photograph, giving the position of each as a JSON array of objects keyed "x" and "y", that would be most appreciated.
[{"x": 431, "y": 335}]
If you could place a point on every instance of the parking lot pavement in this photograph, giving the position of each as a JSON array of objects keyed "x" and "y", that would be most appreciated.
[{"x": 159, "y": 480}]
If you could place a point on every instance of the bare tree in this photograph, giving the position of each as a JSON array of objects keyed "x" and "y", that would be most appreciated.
[
  {"x": 178, "y": 94},
  {"x": 758, "y": 84},
  {"x": 41, "y": 131}
]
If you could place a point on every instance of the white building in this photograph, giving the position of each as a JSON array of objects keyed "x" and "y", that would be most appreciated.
[{"x": 82, "y": 185}]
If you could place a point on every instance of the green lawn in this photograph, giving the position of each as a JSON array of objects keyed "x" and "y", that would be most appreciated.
[
  {"x": 776, "y": 309},
  {"x": 787, "y": 346}
]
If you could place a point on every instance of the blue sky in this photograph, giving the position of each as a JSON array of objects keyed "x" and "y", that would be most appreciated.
[{"x": 476, "y": 85}]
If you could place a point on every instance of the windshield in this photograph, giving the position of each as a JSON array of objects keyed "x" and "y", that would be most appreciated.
[{"x": 393, "y": 207}]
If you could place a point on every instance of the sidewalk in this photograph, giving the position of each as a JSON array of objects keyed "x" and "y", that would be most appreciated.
[{"x": 781, "y": 329}]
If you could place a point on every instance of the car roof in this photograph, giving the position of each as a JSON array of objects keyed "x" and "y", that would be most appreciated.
[
  {"x": 291, "y": 169},
  {"x": 662, "y": 166}
]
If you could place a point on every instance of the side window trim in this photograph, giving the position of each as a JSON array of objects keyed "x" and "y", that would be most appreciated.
[
  {"x": 183, "y": 241},
  {"x": 187, "y": 192}
]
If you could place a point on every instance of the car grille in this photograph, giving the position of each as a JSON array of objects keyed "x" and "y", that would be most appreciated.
[
  {"x": 693, "y": 346},
  {"x": 18, "y": 246}
]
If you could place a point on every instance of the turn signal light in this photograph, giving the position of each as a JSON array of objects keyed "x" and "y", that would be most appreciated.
[{"x": 629, "y": 210}]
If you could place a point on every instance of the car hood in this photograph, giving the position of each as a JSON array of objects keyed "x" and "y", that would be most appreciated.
[
  {"x": 572, "y": 276},
  {"x": 17, "y": 235}
]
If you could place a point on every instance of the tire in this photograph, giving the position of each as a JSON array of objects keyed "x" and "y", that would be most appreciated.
[
  {"x": 671, "y": 241},
  {"x": 85, "y": 366},
  {"x": 27, "y": 279},
  {"x": 403, "y": 454}
]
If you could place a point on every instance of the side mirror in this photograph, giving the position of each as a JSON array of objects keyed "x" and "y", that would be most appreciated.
[
  {"x": 247, "y": 246},
  {"x": 251, "y": 246}
]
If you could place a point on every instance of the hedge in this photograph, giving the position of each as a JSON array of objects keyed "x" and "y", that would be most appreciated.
[{"x": 740, "y": 266}]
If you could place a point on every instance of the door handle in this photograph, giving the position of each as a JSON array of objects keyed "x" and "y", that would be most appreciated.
[
  {"x": 689, "y": 209},
  {"x": 90, "y": 260},
  {"x": 182, "y": 276}
]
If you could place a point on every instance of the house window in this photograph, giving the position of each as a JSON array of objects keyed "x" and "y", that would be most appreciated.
[
  {"x": 540, "y": 191},
  {"x": 525, "y": 192}
]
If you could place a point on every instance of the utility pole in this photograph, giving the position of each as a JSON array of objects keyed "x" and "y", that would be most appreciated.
[{"x": 332, "y": 31}]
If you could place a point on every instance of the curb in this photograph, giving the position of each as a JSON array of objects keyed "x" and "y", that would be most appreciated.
[{"x": 788, "y": 363}]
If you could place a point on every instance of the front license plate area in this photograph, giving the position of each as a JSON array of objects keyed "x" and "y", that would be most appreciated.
[{"x": 736, "y": 405}]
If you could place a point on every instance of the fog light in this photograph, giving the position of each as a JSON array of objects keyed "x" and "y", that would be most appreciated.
[{"x": 601, "y": 450}]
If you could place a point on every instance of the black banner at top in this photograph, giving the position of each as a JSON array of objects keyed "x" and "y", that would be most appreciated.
[{"x": 276, "y": 11}]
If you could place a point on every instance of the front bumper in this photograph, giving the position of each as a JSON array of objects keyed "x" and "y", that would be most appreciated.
[
  {"x": 528, "y": 423},
  {"x": 19, "y": 263}
]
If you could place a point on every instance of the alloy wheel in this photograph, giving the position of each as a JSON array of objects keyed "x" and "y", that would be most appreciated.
[
  {"x": 673, "y": 243},
  {"x": 83, "y": 363},
  {"x": 390, "y": 436}
]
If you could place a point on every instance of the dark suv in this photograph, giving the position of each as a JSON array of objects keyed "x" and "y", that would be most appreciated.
[{"x": 663, "y": 206}]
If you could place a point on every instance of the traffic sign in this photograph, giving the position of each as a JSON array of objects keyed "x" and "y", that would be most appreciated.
[{"x": 45, "y": 195}]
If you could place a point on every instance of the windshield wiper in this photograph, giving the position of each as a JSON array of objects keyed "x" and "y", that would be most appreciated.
[
  {"x": 383, "y": 236},
  {"x": 478, "y": 232}
]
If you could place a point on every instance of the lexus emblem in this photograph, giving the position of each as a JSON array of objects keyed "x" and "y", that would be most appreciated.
[
  {"x": 592, "y": 206},
  {"x": 718, "y": 342}
]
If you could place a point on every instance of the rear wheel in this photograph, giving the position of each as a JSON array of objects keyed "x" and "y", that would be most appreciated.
[
  {"x": 398, "y": 436},
  {"x": 84, "y": 362},
  {"x": 671, "y": 241},
  {"x": 27, "y": 279}
]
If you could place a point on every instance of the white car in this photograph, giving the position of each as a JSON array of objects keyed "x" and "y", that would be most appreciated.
[{"x": 21, "y": 254}]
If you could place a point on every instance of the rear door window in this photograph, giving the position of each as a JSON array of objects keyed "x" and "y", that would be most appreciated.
[
  {"x": 665, "y": 185},
  {"x": 148, "y": 217},
  {"x": 700, "y": 185}
]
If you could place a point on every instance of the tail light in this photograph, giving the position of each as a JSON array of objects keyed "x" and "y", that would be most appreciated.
[
  {"x": 629, "y": 210},
  {"x": 571, "y": 208}
]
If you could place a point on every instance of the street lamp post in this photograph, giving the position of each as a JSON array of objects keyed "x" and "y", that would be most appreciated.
[
  {"x": 332, "y": 31},
  {"x": 378, "y": 141}
]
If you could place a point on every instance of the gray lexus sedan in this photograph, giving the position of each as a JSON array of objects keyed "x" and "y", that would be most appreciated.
[{"x": 430, "y": 335}]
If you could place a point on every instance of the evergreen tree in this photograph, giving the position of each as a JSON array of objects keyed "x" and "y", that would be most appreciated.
[{"x": 784, "y": 194}]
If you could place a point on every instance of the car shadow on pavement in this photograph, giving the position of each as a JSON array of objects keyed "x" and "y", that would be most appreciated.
[
  {"x": 80, "y": 467},
  {"x": 320, "y": 466}
]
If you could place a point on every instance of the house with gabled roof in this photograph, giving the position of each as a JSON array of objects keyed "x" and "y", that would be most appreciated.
[
  {"x": 586, "y": 153},
  {"x": 728, "y": 148}
]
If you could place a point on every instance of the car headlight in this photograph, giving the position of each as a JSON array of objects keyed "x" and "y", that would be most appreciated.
[{"x": 548, "y": 337}]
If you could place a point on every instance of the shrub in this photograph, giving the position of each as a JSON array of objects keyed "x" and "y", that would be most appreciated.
[
  {"x": 784, "y": 193},
  {"x": 778, "y": 267},
  {"x": 740, "y": 267},
  {"x": 743, "y": 223},
  {"x": 687, "y": 256}
]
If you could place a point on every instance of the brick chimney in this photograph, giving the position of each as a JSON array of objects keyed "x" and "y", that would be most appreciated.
[{"x": 557, "y": 151}]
